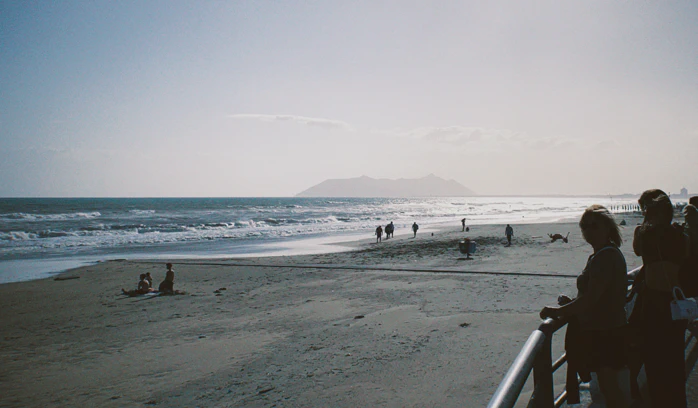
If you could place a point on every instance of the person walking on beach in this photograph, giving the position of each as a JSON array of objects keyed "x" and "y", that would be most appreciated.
[
  {"x": 595, "y": 340},
  {"x": 379, "y": 234},
  {"x": 389, "y": 230},
  {"x": 463, "y": 222},
  {"x": 415, "y": 227},
  {"x": 508, "y": 231}
]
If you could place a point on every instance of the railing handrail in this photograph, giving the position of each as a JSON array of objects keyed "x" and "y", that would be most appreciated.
[{"x": 513, "y": 382}]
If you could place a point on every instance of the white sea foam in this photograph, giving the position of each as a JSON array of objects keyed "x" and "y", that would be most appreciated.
[
  {"x": 72, "y": 230},
  {"x": 49, "y": 217},
  {"x": 142, "y": 212}
]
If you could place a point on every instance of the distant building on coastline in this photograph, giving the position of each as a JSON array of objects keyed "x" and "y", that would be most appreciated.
[{"x": 684, "y": 193}]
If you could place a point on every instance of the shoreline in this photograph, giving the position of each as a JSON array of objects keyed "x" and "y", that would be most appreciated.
[
  {"x": 293, "y": 331},
  {"x": 22, "y": 270}
]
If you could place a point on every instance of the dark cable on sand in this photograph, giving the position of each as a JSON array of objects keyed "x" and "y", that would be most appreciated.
[{"x": 373, "y": 268}]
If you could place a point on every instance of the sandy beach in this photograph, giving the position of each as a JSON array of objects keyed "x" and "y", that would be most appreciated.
[{"x": 406, "y": 322}]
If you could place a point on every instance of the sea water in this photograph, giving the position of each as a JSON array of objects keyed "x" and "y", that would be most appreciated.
[{"x": 41, "y": 236}]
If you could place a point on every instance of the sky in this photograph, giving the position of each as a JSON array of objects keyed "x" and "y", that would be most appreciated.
[{"x": 256, "y": 98}]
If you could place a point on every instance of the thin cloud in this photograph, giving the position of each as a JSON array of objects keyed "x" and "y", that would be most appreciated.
[
  {"x": 302, "y": 120},
  {"x": 606, "y": 145},
  {"x": 482, "y": 137}
]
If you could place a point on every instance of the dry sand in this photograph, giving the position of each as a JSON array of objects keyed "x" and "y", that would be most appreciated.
[{"x": 292, "y": 331}]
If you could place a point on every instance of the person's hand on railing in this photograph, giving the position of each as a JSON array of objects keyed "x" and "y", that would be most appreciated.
[
  {"x": 563, "y": 300},
  {"x": 550, "y": 312}
]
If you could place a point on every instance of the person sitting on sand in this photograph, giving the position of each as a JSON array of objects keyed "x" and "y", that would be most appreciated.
[
  {"x": 143, "y": 287},
  {"x": 167, "y": 286},
  {"x": 149, "y": 279}
]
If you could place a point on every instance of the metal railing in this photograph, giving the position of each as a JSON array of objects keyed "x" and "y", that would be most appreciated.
[{"x": 536, "y": 355}]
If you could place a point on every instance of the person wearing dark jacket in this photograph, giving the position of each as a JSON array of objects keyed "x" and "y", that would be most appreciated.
[
  {"x": 662, "y": 247},
  {"x": 597, "y": 315}
]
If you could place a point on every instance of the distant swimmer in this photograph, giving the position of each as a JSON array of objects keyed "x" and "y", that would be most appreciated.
[
  {"x": 509, "y": 231},
  {"x": 415, "y": 227},
  {"x": 463, "y": 222},
  {"x": 379, "y": 234}
]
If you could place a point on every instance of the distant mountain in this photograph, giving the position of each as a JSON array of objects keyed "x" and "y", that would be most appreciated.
[{"x": 429, "y": 186}]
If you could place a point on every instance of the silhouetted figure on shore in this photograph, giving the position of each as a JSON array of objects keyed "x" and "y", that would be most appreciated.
[
  {"x": 509, "y": 231},
  {"x": 379, "y": 234},
  {"x": 415, "y": 227},
  {"x": 389, "y": 230},
  {"x": 463, "y": 222}
]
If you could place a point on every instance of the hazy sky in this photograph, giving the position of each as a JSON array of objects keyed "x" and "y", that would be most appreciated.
[{"x": 243, "y": 98}]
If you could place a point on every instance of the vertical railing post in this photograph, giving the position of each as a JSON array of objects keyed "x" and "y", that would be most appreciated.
[{"x": 543, "y": 393}]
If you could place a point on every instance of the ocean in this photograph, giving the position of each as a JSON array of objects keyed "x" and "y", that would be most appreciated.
[{"x": 44, "y": 236}]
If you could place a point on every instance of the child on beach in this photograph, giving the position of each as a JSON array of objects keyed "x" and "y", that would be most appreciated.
[
  {"x": 379, "y": 234},
  {"x": 415, "y": 227},
  {"x": 149, "y": 279}
]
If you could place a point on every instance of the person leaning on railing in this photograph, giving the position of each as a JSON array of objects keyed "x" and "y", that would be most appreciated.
[
  {"x": 597, "y": 321},
  {"x": 663, "y": 248}
]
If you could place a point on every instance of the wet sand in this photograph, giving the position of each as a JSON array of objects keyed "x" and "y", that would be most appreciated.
[{"x": 359, "y": 328}]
